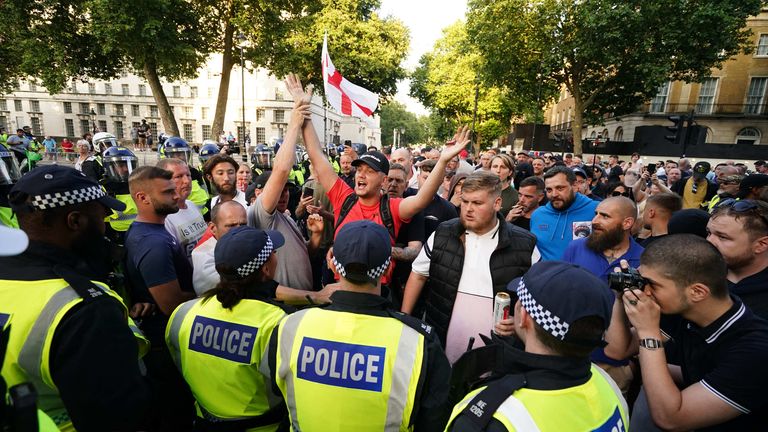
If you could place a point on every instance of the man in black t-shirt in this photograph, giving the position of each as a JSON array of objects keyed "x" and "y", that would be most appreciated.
[
  {"x": 531, "y": 195},
  {"x": 703, "y": 364}
]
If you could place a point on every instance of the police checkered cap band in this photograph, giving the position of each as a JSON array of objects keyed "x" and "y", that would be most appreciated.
[
  {"x": 546, "y": 319},
  {"x": 256, "y": 263},
  {"x": 66, "y": 198},
  {"x": 373, "y": 273}
]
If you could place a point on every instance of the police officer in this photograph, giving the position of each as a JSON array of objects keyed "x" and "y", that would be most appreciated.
[
  {"x": 560, "y": 317},
  {"x": 332, "y": 153},
  {"x": 262, "y": 159},
  {"x": 387, "y": 370},
  {"x": 9, "y": 175},
  {"x": 222, "y": 337},
  {"x": 119, "y": 163},
  {"x": 72, "y": 337},
  {"x": 175, "y": 147}
]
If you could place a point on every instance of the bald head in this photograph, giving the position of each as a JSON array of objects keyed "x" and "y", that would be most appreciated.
[
  {"x": 622, "y": 207},
  {"x": 225, "y": 216},
  {"x": 403, "y": 157}
]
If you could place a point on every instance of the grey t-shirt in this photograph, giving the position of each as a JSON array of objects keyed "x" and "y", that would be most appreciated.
[{"x": 293, "y": 267}]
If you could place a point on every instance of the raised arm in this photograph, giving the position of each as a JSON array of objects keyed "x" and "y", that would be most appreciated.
[
  {"x": 414, "y": 204},
  {"x": 323, "y": 168}
]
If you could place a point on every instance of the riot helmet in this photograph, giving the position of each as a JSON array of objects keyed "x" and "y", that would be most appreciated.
[
  {"x": 331, "y": 151},
  {"x": 102, "y": 141},
  {"x": 9, "y": 167},
  {"x": 262, "y": 157},
  {"x": 208, "y": 150},
  {"x": 119, "y": 163},
  {"x": 175, "y": 147}
]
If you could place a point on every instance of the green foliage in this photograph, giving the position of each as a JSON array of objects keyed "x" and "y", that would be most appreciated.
[
  {"x": 394, "y": 115},
  {"x": 446, "y": 79},
  {"x": 610, "y": 54}
]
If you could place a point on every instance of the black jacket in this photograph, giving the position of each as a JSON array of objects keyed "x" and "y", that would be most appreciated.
[{"x": 511, "y": 259}]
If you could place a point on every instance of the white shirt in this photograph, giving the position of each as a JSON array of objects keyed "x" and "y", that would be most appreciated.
[
  {"x": 204, "y": 274},
  {"x": 187, "y": 226},
  {"x": 473, "y": 309},
  {"x": 239, "y": 197},
  {"x": 414, "y": 181}
]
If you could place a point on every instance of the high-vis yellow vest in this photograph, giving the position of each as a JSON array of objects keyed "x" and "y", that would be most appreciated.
[
  {"x": 597, "y": 405},
  {"x": 121, "y": 220},
  {"x": 37, "y": 308},
  {"x": 342, "y": 371},
  {"x": 220, "y": 353},
  {"x": 199, "y": 196},
  {"x": 8, "y": 218}
]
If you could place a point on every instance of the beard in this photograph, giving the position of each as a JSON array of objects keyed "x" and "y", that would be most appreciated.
[
  {"x": 226, "y": 188},
  {"x": 739, "y": 261},
  {"x": 94, "y": 250},
  {"x": 565, "y": 203},
  {"x": 600, "y": 241},
  {"x": 163, "y": 209}
]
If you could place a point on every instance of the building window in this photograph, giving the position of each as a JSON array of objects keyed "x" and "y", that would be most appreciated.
[
  {"x": 67, "y": 107},
  {"x": 189, "y": 132},
  {"x": 101, "y": 108},
  {"x": 102, "y": 125},
  {"x": 108, "y": 88},
  {"x": 32, "y": 87},
  {"x": 206, "y": 132},
  {"x": 84, "y": 127},
  {"x": 279, "y": 116},
  {"x": 210, "y": 92},
  {"x": 240, "y": 133},
  {"x": 69, "y": 127},
  {"x": 279, "y": 94},
  {"x": 261, "y": 135},
  {"x": 135, "y": 111},
  {"x": 119, "y": 110},
  {"x": 17, "y": 105},
  {"x": 755, "y": 96},
  {"x": 153, "y": 111},
  {"x": 593, "y": 135},
  {"x": 707, "y": 96},
  {"x": 85, "y": 108},
  {"x": 748, "y": 135},
  {"x": 204, "y": 113},
  {"x": 659, "y": 102},
  {"x": 762, "y": 45},
  {"x": 37, "y": 128},
  {"x": 259, "y": 114},
  {"x": 177, "y": 91},
  {"x": 4, "y": 105},
  {"x": 73, "y": 87},
  {"x": 153, "y": 129},
  {"x": 188, "y": 111},
  {"x": 142, "y": 90},
  {"x": 193, "y": 92},
  {"x": 3, "y": 122},
  {"x": 619, "y": 134},
  {"x": 126, "y": 89},
  {"x": 34, "y": 105},
  {"x": 119, "y": 133},
  {"x": 91, "y": 88}
]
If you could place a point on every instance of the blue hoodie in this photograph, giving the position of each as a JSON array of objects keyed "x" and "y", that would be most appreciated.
[{"x": 554, "y": 228}]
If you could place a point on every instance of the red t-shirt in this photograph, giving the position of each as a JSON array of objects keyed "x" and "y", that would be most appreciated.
[{"x": 341, "y": 190}]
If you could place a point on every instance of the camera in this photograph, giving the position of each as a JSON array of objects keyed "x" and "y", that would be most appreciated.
[{"x": 627, "y": 280}]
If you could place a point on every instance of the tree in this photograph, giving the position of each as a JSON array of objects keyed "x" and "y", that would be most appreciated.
[
  {"x": 395, "y": 115},
  {"x": 446, "y": 80},
  {"x": 611, "y": 55}
]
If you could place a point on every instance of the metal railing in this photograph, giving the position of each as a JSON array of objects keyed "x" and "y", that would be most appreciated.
[{"x": 700, "y": 110}]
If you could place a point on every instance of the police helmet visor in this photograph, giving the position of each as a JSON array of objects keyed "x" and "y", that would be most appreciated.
[
  {"x": 118, "y": 168},
  {"x": 263, "y": 160},
  {"x": 330, "y": 151},
  {"x": 9, "y": 168},
  {"x": 179, "y": 153}
]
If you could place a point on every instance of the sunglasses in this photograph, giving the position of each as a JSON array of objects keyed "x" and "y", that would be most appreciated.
[
  {"x": 617, "y": 193},
  {"x": 743, "y": 206}
]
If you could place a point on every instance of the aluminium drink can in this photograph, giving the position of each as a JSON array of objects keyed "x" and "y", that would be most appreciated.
[{"x": 501, "y": 307}]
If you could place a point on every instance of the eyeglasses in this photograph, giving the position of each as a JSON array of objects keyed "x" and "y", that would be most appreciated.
[
  {"x": 743, "y": 206},
  {"x": 617, "y": 193}
]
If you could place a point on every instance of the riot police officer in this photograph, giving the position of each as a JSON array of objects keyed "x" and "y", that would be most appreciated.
[
  {"x": 175, "y": 147},
  {"x": 119, "y": 162},
  {"x": 262, "y": 159},
  {"x": 9, "y": 175}
]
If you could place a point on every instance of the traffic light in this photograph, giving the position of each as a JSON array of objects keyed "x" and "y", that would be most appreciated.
[{"x": 677, "y": 129}]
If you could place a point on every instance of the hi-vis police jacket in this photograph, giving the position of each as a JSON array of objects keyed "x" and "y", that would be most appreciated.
[
  {"x": 222, "y": 354},
  {"x": 358, "y": 366},
  {"x": 73, "y": 340}
]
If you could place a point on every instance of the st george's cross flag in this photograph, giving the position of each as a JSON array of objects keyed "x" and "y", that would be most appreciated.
[{"x": 345, "y": 97}]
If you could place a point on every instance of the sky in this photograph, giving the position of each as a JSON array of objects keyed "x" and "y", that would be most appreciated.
[{"x": 426, "y": 20}]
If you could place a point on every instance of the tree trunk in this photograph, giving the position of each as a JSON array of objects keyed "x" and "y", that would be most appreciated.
[
  {"x": 226, "y": 71},
  {"x": 578, "y": 119},
  {"x": 166, "y": 115}
]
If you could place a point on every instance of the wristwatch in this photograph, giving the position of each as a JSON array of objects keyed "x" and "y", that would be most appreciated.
[{"x": 651, "y": 343}]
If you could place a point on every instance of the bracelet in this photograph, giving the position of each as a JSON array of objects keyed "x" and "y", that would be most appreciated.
[{"x": 651, "y": 343}]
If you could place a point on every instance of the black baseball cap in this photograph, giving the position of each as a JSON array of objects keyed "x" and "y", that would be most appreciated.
[
  {"x": 245, "y": 249},
  {"x": 375, "y": 160},
  {"x": 689, "y": 221},
  {"x": 53, "y": 186},
  {"x": 580, "y": 172},
  {"x": 362, "y": 251},
  {"x": 556, "y": 294},
  {"x": 753, "y": 181},
  {"x": 701, "y": 169}
]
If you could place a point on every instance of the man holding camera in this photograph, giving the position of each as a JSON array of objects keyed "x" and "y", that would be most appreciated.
[{"x": 703, "y": 364}]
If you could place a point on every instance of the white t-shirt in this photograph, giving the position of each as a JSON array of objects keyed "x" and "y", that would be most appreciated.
[
  {"x": 473, "y": 310},
  {"x": 239, "y": 197},
  {"x": 204, "y": 274},
  {"x": 187, "y": 226}
]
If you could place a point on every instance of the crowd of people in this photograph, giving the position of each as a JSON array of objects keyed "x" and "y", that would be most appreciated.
[{"x": 357, "y": 289}]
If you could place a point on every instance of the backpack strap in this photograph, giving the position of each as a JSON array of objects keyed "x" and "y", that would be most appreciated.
[
  {"x": 346, "y": 206},
  {"x": 479, "y": 411},
  {"x": 386, "y": 216}
]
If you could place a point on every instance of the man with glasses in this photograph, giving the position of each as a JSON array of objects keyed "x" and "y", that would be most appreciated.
[{"x": 739, "y": 230}]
